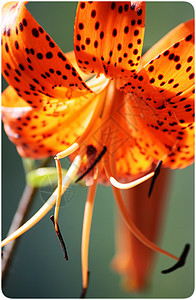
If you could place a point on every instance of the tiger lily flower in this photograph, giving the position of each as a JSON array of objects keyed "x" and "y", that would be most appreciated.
[{"x": 116, "y": 125}]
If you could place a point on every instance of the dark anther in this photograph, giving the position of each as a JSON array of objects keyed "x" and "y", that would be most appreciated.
[
  {"x": 91, "y": 150},
  {"x": 181, "y": 261},
  {"x": 83, "y": 292},
  {"x": 156, "y": 173},
  {"x": 93, "y": 164},
  {"x": 60, "y": 239}
]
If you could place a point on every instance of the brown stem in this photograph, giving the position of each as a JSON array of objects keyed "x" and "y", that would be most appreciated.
[{"x": 17, "y": 221}]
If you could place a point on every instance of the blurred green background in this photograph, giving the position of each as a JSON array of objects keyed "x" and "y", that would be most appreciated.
[{"x": 38, "y": 269}]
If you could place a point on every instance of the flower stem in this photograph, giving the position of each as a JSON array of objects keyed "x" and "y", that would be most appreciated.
[{"x": 19, "y": 217}]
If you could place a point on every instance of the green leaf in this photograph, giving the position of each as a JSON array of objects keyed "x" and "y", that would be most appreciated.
[{"x": 43, "y": 177}]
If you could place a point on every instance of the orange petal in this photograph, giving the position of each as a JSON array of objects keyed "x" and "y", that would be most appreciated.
[
  {"x": 134, "y": 260},
  {"x": 108, "y": 37},
  {"x": 131, "y": 161},
  {"x": 177, "y": 34},
  {"x": 71, "y": 57},
  {"x": 161, "y": 133},
  {"x": 169, "y": 73},
  {"x": 163, "y": 102},
  {"x": 38, "y": 134},
  {"x": 31, "y": 61}
]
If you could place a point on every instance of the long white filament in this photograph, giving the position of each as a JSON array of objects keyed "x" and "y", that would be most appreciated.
[
  {"x": 129, "y": 185},
  {"x": 48, "y": 205},
  {"x": 58, "y": 201},
  {"x": 88, "y": 212}
]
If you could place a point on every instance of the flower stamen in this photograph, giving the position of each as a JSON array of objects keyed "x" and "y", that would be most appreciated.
[
  {"x": 59, "y": 235},
  {"x": 156, "y": 173},
  {"x": 88, "y": 211},
  {"x": 125, "y": 186},
  {"x": 134, "y": 229},
  {"x": 93, "y": 164},
  {"x": 58, "y": 166},
  {"x": 181, "y": 261},
  {"x": 108, "y": 165},
  {"x": 71, "y": 173}
]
